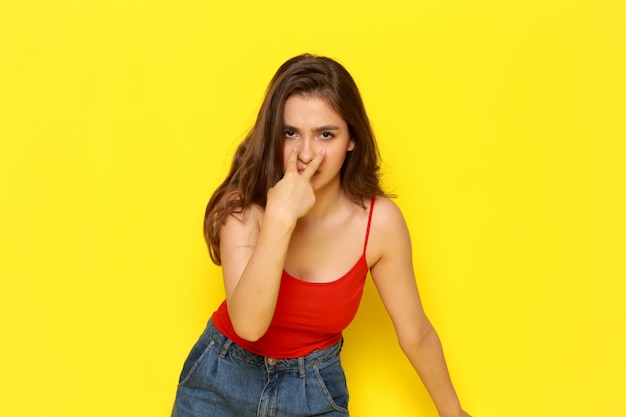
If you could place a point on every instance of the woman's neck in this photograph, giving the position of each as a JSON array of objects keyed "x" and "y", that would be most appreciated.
[{"x": 328, "y": 201}]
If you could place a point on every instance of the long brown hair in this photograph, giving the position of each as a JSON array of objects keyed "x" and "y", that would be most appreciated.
[{"x": 258, "y": 163}]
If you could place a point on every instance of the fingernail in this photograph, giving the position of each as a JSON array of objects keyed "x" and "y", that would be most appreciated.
[{"x": 323, "y": 152}]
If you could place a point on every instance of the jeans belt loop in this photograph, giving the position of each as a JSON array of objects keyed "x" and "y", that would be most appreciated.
[
  {"x": 301, "y": 367},
  {"x": 225, "y": 348}
]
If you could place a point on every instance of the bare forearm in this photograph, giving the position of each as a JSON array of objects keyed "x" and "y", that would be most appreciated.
[
  {"x": 426, "y": 356},
  {"x": 253, "y": 301}
]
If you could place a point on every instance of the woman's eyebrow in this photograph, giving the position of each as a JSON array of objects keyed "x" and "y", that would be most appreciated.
[
  {"x": 291, "y": 128},
  {"x": 327, "y": 127},
  {"x": 315, "y": 129}
]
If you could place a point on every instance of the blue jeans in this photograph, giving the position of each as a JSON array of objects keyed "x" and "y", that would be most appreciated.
[{"x": 221, "y": 379}]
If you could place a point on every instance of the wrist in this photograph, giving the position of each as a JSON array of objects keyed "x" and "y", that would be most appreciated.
[
  {"x": 278, "y": 218},
  {"x": 452, "y": 410},
  {"x": 456, "y": 413}
]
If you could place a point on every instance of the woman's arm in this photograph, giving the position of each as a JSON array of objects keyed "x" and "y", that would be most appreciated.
[
  {"x": 395, "y": 281},
  {"x": 253, "y": 247}
]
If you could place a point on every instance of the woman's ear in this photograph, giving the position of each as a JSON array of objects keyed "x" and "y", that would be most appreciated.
[{"x": 351, "y": 145}]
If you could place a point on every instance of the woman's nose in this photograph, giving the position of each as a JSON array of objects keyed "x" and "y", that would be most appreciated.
[{"x": 306, "y": 152}]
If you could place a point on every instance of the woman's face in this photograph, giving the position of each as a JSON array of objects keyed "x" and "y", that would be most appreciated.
[{"x": 311, "y": 126}]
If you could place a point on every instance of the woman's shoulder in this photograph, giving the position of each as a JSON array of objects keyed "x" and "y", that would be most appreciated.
[
  {"x": 388, "y": 230},
  {"x": 386, "y": 212},
  {"x": 250, "y": 216}
]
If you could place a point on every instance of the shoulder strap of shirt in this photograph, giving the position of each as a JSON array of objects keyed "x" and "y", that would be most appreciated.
[{"x": 369, "y": 222}]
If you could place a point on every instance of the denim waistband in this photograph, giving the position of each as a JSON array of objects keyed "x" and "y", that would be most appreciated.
[{"x": 314, "y": 358}]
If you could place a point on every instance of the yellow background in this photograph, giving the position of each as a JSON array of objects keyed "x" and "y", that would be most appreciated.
[{"x": 502, "y": 130}]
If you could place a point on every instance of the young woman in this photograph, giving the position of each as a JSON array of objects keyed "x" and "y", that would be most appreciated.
[{"x": 296, "y": 226}]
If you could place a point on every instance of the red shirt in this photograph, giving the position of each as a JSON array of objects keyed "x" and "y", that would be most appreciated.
[{"x": 309, "y": 316}]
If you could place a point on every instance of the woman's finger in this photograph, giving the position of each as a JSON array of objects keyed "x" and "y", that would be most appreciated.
[
  {"x": 292, "y": 161},
  {"x": 311, "y": 167}
]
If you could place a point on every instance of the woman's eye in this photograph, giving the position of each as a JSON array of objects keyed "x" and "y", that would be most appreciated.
[
  {"x": 290, "y": 134},
  {"x": 326, "y": 135}
]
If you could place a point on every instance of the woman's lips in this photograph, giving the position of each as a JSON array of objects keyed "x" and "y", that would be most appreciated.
[{"x": 301, "y": 170}]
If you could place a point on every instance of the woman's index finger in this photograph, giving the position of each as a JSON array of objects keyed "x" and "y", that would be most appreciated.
[
  {"x": 292, "y": 161},
  {"x": 312, "y": 166}
]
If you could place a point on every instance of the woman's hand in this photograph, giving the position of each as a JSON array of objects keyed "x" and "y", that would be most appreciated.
[{"x": 292, "y": 197}]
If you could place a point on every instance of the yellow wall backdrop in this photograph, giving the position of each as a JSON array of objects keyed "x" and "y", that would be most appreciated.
[{"x": 502, "y": 129}]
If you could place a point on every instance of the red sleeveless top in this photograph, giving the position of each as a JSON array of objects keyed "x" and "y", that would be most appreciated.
[{"x": 309, "y": 315}]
